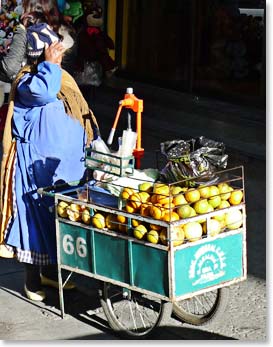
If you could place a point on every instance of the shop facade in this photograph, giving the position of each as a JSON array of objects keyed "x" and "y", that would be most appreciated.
[{"x": 205, "y": 47}]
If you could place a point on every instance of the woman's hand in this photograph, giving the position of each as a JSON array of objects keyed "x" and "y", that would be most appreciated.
[{"x": 54, "y": 53}]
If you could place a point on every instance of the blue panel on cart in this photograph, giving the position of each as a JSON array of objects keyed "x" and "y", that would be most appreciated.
[
  {"x": 111, "y": 254},
  {"x": 208, "y": 264},
  {"x": 75, "y": 246},
  {"x": 150, "y": 268}
]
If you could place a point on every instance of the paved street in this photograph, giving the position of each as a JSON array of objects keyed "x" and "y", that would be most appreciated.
[{"x": 167, "y": 115}]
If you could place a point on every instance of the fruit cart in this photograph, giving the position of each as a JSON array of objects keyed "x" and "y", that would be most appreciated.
[{"x": 184, "y": 266}]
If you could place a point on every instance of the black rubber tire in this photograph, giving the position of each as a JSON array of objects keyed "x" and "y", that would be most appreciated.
[
  {"x": 121, "y": 310},
  {"x": 193, "y": 310}
]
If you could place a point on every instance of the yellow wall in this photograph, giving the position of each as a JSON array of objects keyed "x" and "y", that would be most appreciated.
[
  {"x": 124, "y": 33},
  {"x": 111, "y": 27},
  {"x": 111, "y": 23}
]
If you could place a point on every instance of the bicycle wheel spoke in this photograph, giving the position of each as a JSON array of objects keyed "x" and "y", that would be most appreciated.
[{"x": 132, "y": 313}]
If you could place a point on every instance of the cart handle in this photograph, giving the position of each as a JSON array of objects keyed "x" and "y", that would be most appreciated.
[{"x": 47, "y": 191}]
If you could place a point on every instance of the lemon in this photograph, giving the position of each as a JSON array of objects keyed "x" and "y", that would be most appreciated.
[
  {"x": 86, "y": 218},
  {"x": 234, "y": 219},
  {"x": 152, "y": 236},
  {"x": 62, "y": 209},
  {"x": 201, "y": 206},
  {"x": 204, "y": 192},
  {"x": 179, "y": 199},
  {"x": 98, "y": 221},
  {"x": 184, "y": 211},
  {"x": 140, "y": 231},
  {"x": 224, "y": 191},
  {"x": 145, "y": 187},
  {"x": 73, "y": 212},
  {"x": 177, "y": 236},
  {"x": 212, "y": 227},
  {"x": 193, "y": 231}
]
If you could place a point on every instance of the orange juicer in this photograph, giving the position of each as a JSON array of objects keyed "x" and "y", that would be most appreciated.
[{"x": 130, "y": 101}]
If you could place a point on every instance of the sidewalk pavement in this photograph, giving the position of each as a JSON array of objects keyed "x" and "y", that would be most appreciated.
[{"x": 167, "y": 115}]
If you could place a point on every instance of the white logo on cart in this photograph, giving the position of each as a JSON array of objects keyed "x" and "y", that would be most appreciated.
[{"x": 208, "y": 264}]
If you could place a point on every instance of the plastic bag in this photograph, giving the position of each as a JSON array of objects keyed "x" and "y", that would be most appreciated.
[
  {"x": 197, "y": 158},
  {"x": 91, "y": 75}
]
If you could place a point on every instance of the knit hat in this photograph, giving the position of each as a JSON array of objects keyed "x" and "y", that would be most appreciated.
[{"x": 37, "y": 36}]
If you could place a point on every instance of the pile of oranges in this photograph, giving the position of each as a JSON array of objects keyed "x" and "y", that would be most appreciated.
[{"x": 168, "y": 203}]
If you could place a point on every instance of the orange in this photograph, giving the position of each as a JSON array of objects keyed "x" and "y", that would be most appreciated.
[
  {"x": 144, "y": 196},
  {"x": 179, "y": 199},
  {"x": 192, "y": 195},
  {"x": 168, "y": 208},
  {"x": 161, "y": 188},
  {"x": 213, "y": 191},
  {"x": 111, "y": 221},
  {"x": 155, "y": 227},
  {"x": 164, "y": 199},
  {"x": 170, "y": 217},
  {"x": 129, "y": 208},
  {"x": 177, "y": 236},
  {"x": 156, "y": 211},
  {"x": 153, "y": 199},
  {"x": 236, "y": 197},
  {"x": 145, "y": 209},
  {"x": 135, "y": 223},
  {"x": 135, "y": 200},
  {"x": 126, "y": 193},
  {"x": 121, "y": 218}
]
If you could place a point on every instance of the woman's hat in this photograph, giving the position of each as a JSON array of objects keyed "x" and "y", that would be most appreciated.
[{"x": 37, "y": 36}]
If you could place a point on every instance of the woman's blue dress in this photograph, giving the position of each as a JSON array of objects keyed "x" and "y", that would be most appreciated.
[{"x": 50, "y": 148}]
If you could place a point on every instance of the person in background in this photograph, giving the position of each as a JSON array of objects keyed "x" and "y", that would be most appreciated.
[
  {"x": 16, "y": 57},
  {"x": 49, "y": 123}
]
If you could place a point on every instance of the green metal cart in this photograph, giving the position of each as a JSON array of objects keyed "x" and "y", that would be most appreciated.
[{"x": 144, "y": 283}]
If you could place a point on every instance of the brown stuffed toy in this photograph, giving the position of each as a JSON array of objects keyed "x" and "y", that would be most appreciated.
[{"x": 94, "y": 43}]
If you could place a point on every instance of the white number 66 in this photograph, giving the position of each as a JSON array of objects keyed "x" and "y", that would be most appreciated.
[{"x": 68, "y": 245}]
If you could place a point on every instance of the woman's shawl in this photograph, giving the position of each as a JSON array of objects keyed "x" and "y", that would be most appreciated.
[{"x": 75, "y": 106}]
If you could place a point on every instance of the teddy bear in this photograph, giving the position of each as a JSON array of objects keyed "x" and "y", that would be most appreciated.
[{"x": 94, "y": 44}]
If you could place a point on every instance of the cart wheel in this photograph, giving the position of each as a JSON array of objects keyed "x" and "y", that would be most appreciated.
[
  {"x": 202, "y": 309},
  {"x": 133, "y": 314}
]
